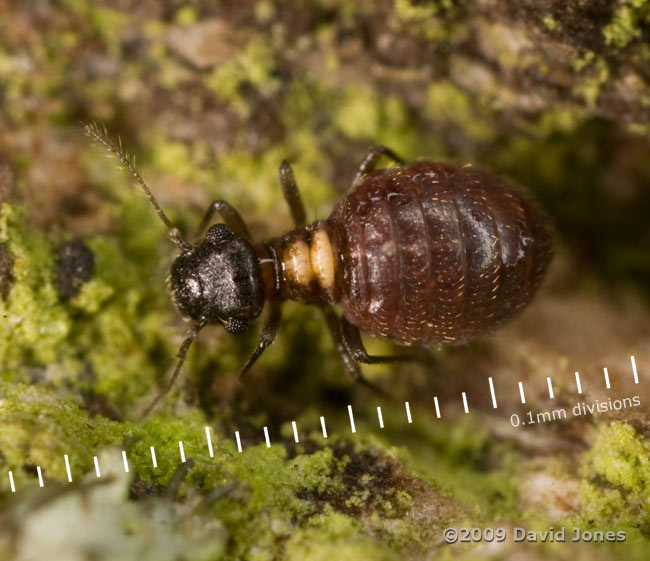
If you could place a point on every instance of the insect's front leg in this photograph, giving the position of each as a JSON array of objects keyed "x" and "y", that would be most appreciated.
[
  {"x": 230, "y": 216},
  {"x": 270, "y": 331},
  {"x": 182, "y": 353}
]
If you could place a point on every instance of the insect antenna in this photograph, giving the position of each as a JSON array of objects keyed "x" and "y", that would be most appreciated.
[
  {"x": 101, "y": 136},
  {"x": 182, "y": 353}
]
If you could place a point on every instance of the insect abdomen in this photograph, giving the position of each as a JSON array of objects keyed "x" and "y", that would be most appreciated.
[{"x": 433, "y": 253}]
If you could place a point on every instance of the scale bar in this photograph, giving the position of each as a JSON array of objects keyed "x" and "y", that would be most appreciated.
[
  {"x": 351, "y": 415},
  {"x": 207, "y": 436},
  {"x": 67, "y": 468},
  {"x": 494, "y": 397},
  {"x": 578, "y": 383},
  {"x": 435, "y": 402},
  {"x": 636, "y": 376}
]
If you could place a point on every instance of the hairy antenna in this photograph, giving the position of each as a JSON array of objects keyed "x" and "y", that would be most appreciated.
[{"x": 102, "y": 137}]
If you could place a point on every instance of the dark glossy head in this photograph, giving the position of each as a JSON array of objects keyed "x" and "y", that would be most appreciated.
[{"x": 219, "y": 281}]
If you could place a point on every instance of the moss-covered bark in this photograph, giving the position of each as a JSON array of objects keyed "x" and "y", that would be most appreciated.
[{"x": 211, "y": 97}]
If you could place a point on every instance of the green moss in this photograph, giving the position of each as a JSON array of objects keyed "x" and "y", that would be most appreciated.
[
  {"x": 106, "y": 349},
  {"x": 589, "y": 88},
  {"x": 549, "y": 23},
  {"x": 334, "y": 536},
  {"x": 306, "y": 492},
  {"x": 109, "y": 24},
  {"x": 625, "y": 26},
  {"x": 364, "y": 115},
  {"x": 453, "y": 456},
  {"x": 34, "y": 324},
  {"x": 427, "y": 19},
  {"x": 408, "y": 10},
  {"x": 165, "y": 433},
  {"x": 584, "y": 60},
  {"x": 617, "y": 477},
  {"x": 42, "y": 427},
  {"x": 253, "y": 66},
  {"x": 94, "y": 514},
  {"x": 360, "y": 114},
  {"x": 39, "y": 428},
  {"x": 278, "y": 496},
  {"x": 177, "y": 159},
  {"x": 297, "y": 498},
  {"x": 511, "y": 46},
  {"x": 447, "y": 103},
  {"x": 186, "y": 15},
  {"x": 91, "y": 296}
]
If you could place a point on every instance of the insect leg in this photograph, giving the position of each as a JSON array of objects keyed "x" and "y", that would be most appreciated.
[
  {"x": 351, "y": 365},
  {"x": 292, "y": 195},
  {"x": 371, "y": 159},
  {"x": 354, "y": 346},
  {"x": 177, "y": 478},
  {"x": 269, "y": 333},
  {"x": 230, "y": 216},
  {"x": 182, "y": 353}
]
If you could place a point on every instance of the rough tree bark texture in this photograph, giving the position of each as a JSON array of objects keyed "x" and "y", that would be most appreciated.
[{"x": 211, "y": 96}]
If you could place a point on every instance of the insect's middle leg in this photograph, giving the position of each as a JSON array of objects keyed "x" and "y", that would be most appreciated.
[
  {"x": 372, "y": 157},
  {"x": 292, "y": 195}
]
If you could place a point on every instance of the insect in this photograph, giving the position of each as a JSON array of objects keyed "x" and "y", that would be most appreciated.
[{"x": 423, "y": 254}]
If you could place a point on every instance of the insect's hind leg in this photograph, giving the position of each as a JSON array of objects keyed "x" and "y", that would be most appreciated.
[
  {"x": 351, "y": 365},
  {"x": 372, "y": 157},
  {"x": 292, "y": 194},
  {"x": 230, "y": 216},
  {"x": 355, "y": 348}
]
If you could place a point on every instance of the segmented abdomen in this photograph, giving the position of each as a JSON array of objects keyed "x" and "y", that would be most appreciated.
[{"x": 433, "y": 253}]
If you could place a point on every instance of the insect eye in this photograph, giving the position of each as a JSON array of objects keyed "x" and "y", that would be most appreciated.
[
  {"x": 235, "y": 326},
  {"x": 218, "y": 233}
]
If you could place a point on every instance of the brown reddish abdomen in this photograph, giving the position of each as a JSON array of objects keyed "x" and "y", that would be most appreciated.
[{"x": 433, "y": 253}]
